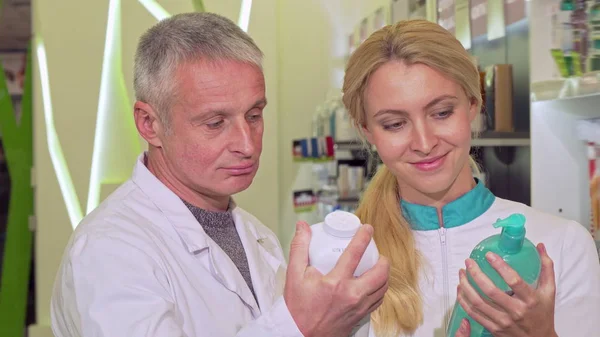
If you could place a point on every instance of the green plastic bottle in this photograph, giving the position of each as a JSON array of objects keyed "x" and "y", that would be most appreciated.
[{"x": 518, "y": 252}]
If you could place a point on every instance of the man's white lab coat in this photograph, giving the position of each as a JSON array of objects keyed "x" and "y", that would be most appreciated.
[{"x": 141, "y": 265}]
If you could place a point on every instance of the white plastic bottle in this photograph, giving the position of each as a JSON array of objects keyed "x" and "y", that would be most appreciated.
[{"x": 331, "y": 237}]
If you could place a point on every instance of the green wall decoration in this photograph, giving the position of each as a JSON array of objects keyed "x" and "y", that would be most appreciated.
[
  {"x": 198, "y": 5},
  {"x": 116, "y": 142},
  {"x": 17, "y": 138}
]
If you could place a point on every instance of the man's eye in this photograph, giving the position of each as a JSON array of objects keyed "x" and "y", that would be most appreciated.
[
  {"x": 255, "y": 117},
  {"x": 215, "y": 124}
]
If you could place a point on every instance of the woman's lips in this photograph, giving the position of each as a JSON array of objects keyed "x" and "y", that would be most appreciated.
[{"x": 430, "y": 164}]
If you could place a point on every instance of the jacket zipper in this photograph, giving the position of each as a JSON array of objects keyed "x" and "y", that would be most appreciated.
[{"x": 442, "y": 232}]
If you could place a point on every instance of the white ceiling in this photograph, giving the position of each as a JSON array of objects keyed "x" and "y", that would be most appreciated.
[{"x": 15, "y": 24}]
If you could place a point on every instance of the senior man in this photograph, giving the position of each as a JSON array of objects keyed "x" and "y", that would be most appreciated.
[{"x": 169, "y": 253}]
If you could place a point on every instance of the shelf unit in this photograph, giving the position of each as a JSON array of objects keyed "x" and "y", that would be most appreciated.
[
  {"x": 559, "y": 163},
  {"x": 354, "y": 153},
  {"x": 348, "y": 201},
  {"x": 485, "y": 139},
  {"x": 352, "y": 146},
  {"x": 493, "y": 139}
]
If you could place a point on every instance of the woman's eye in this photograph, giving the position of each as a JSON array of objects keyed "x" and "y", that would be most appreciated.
[
  {"x": 443, "y": 114},
  {"x": 393, "y": 126}
]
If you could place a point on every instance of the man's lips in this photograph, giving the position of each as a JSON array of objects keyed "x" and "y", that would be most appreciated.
[{"x": 240, "y": 169}]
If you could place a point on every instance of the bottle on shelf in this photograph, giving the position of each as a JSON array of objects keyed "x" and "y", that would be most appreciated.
[
  {"x": 344, "y": 130},
  {"x": 565, "y": 31},
  {"x": 593, "y": 62},
  {"x": 580, "y": 30}
]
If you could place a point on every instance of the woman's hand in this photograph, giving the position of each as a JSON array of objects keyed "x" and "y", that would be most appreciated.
[{"x": 528, "y": 312}]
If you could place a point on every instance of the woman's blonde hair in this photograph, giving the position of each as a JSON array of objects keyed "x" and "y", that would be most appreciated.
[{"x": 412, "y": 42}]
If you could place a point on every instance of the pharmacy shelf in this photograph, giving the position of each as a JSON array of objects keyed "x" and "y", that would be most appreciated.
[
  {"x": 348, "y": 201},
  {"x": 559, "y": 158},
  {"x": 572, "y": 99},
  {"x": 492, "y": 139},
  {"x": 485, "y": 139},
  {"x": 351, "y": 146}
]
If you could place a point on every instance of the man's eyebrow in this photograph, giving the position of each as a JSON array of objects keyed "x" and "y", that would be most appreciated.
[
  {"x": 216, "y": 112},
  {"x": 260, "y": 102}
]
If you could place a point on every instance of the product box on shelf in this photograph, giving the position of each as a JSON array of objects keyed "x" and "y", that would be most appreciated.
[
  {"x": 499, "y": 97},
  {"x": 313, "y": 149},
  {"x": 304, "y": 201}
]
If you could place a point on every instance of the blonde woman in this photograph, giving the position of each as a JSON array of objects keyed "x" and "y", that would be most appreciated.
[{"x": 413, "y": 92}]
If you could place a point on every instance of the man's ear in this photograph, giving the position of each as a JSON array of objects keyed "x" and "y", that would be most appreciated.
[{"x": 147, "y": 123}]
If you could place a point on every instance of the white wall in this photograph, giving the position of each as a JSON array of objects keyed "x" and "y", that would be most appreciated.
[
  {"x": 312, "y": 43},
  {"x": 74, "y": 34}
]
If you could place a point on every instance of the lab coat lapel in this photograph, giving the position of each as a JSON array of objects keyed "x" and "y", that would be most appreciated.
[
  {"x": 193, "y": 235},
  {"x": 263, "y": 263},
  {"x": 176, "y": 213},
  {"x": 225, "y": 271},
  {"x": 260, "y": 261}
]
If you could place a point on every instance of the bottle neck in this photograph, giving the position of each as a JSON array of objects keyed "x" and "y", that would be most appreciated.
[{"x": 511, "y": 243}]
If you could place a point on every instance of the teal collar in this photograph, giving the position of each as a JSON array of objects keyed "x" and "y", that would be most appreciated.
[{"x": 456, "y": 213}]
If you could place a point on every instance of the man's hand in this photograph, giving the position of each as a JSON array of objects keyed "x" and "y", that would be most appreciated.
[
  {"x": 331, "y": 305},
  {"x": 528, "y": 313}
]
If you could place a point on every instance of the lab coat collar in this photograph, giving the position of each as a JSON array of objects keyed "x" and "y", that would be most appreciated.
[
  {"x": 175, "y": 211},
  {"x": 260, "y": 250},
  {"x": 262, "y": 263}
]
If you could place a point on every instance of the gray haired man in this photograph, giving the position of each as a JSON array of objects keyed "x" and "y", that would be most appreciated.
[{"x": 169, "y": 253}]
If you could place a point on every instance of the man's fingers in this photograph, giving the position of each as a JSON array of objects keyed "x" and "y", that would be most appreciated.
[
  {"x": 375, "y": 305},
  {"x": 376, "y": 277},
  {"x": 299, "y": 250},
  {"x": 378, "y": 293},
  {"x": 351, "y": 256},
  {"x": 375, "y": 299}
]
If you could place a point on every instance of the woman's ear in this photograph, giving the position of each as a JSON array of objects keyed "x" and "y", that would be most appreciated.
[
  {"x": 367, "y": 133},
  {"x": 148, "y": 123},
  {"x": 473, "y": 111}
]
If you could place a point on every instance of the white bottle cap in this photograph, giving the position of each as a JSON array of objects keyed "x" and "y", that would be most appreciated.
[{"x": 341, "y": 224}]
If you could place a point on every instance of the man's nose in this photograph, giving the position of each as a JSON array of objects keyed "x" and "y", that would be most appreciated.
[{"x": 242, "y": 139}]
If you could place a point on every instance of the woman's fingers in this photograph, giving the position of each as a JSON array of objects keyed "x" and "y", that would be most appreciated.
[
  {"x": 476, "y": 306},
  {"x": 547, "y": 282},
  {"x": 496, "y": 295},
  {"x": 519, "y": 287}
]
